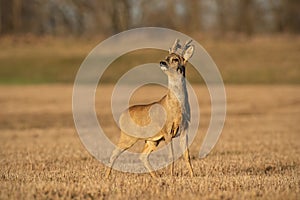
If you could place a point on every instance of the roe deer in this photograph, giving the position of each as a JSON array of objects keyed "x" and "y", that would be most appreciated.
[{"x": 176, "y": 107}]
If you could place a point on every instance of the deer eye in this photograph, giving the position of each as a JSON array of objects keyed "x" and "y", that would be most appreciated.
[{"x": 175, "y": 60}]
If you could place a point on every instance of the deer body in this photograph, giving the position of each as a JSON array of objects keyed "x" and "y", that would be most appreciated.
[{"x": 176, "y": 106}]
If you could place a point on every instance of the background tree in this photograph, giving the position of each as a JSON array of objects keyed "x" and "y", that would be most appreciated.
[{"x": 88, "y": 17}]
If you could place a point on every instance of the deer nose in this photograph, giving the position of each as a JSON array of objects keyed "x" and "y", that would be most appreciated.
[{"x": 163, "y": 63}]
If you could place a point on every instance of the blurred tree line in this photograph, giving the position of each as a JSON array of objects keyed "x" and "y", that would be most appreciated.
[{"x": 88, "y": 17}]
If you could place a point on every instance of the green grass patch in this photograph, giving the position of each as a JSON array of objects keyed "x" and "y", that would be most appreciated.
[{"x": 257, "y": 61}]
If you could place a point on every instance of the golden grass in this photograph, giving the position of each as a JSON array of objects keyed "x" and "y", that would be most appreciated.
[{"x": 257, "y": 156}]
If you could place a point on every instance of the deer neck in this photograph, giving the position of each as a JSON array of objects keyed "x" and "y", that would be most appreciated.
[{"x": 178, "y": 91}]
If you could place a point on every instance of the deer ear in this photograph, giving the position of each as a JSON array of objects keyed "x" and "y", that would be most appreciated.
[{"x": 188, "y": 53}]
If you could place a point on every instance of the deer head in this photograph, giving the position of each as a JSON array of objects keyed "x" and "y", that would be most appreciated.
[{"x": 174, "y": 63}]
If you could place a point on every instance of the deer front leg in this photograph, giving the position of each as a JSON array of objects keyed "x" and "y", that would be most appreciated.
[
  {"x": 168, "y": 140},
  {"x": 149, "y": 147},
  {"x": 184, "y": 147}
]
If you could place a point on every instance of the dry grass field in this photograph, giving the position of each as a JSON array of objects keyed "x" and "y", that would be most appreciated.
[{"x": 257, "y": 156}]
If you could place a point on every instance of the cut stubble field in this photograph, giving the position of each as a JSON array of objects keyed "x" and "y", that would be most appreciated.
[{"x": 257, "y": 156}]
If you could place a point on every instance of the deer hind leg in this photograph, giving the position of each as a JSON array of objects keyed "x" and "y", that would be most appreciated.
[
  {"x": 184, "y": 147},
  {"x": 149, "y": 147},
  {"x": 124, "y": 143}
]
